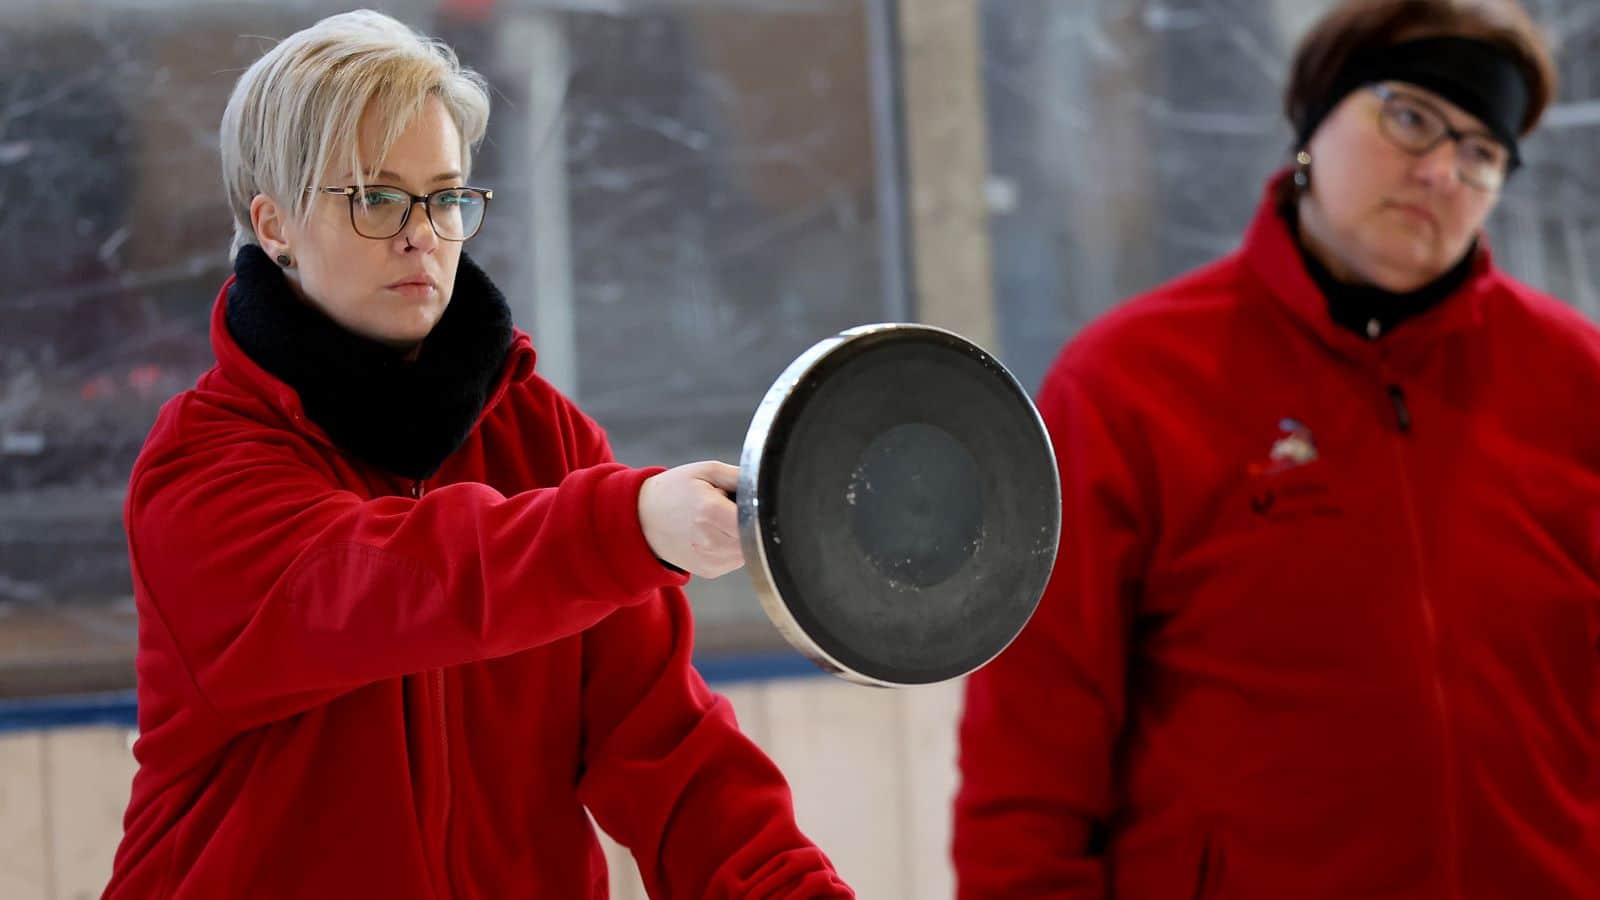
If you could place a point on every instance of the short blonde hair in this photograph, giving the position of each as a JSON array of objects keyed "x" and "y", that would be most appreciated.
[{"x": 299, "y": 107}]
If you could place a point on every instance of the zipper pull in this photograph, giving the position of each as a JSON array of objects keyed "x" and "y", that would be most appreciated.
[{"x": 1402, "y": 413}]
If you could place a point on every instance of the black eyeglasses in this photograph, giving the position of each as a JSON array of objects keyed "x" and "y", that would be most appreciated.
[
  {"x": 380, "y": 211},
  {"x": 1417, "y": 126}
]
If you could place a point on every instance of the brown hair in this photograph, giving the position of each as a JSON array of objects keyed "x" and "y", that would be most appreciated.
[{"x": 1357, "y": 26}]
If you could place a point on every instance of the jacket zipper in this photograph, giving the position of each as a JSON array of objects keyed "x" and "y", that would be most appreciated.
[
  {"x": 1430, "y": 626},
  {"x": 1402, "y": 413},
  {"x": 1209, "y": 877},
  {"x": 436, "y": 677}
]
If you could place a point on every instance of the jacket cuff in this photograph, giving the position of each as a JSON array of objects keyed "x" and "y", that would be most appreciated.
[{"x": 632, "y": 567}]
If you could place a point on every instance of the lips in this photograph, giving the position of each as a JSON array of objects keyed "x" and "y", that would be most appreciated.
[{"x": 1412, "y": 210}]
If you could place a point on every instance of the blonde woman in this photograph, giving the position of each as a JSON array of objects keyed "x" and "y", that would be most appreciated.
[{"x": 402, "y": 618}]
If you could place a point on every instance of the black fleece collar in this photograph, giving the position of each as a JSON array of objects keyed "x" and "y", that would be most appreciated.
[{"x": 403, "y": 416}]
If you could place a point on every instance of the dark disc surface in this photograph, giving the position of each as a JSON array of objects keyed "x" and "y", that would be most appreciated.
[{"x": 909, "y": 505}]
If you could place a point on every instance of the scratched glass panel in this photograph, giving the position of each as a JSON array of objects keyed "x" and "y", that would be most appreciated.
[
  {"x": 685, "y": 199},
  {"x": 1129, "y": 142}
]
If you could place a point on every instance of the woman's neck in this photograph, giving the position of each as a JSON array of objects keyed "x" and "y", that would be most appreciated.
[
  {"x": 1316, "y": 237},
  {"x": 1356, "y": 304}
]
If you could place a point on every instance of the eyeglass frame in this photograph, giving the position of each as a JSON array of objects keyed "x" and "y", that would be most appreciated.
[
  {"x": 1449, "y": 132},
  {"x": 349, "y": 192}
]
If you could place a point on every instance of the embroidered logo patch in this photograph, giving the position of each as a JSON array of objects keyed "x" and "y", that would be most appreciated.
[
  {"x": 1274, "y": 495},
  {"x": 1295, "y": 447}
]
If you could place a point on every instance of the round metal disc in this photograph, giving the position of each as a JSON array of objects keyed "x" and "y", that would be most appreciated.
[{"x": 899, "y": 505}]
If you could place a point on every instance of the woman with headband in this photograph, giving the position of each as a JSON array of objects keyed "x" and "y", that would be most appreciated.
[{"x": 1326, "y": 617}]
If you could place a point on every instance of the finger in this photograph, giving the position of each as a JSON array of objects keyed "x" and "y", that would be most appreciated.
[
  {"x": 710, "y": 566},
  {"x": 721, "y": 515},
  {"x": 721, "y": 569},
  {"x": 721, "y": 475}
]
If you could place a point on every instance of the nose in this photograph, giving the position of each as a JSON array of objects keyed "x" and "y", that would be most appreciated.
[
  {"x": 1439, "y": 167},
  {"x": 418, "y": 232}
]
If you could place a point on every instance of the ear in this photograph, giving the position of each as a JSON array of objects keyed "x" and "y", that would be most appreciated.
[{"x": 271, "y": 222}]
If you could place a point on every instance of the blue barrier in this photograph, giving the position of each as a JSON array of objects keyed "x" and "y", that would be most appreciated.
[
  {"x": 71, "y": 711},
  {"x": 120, "y": 708}
]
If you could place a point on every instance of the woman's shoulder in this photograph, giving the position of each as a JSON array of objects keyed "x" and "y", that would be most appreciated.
[
  {"x": 215, "y": 409},
  {"x": 545, "y": 419},
  {"x": 211, "y": 431},
  {"x": 1532, "y": 320},
  {"x": 1167, "y": 322}
]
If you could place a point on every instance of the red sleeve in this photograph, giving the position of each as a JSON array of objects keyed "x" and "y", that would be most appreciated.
[
  {"x": 1042, "y": 720},
  {"x": 282, "y": 590},
  {"x": 668, "y": 774}
]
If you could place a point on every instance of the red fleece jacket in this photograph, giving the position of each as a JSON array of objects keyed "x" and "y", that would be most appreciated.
[
  {"x": 355, "y": 686},
  {"x": 1326, "y": 617}
]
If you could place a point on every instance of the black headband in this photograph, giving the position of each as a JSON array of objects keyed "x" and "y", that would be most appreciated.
[{"x": 1479, "y": 77}]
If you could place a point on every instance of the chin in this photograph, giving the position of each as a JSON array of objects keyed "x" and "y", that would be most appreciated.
[
  {"x": 1403, "y": 274},
  {"x": 1387, "y": 255},
  {"x": 415, "y": 334},
  {"x": 407, "y": 324},
  {"x": 401, "y": 334}
]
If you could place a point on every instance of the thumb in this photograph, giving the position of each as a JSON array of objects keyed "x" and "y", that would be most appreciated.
[{"x": 722, "y": 476}]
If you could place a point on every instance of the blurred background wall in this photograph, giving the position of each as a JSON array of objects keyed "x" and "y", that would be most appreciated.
[{"x": 687, "y": 194}]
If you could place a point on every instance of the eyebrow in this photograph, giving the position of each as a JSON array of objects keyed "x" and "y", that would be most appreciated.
[
  {"x": 393, "y": 176},
  {"x": 1469, "y": 131}
]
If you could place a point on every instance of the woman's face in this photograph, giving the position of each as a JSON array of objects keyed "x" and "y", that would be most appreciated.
[
  {"x": 392, "y": 290},
  {"x": 1378, "y": 214}
]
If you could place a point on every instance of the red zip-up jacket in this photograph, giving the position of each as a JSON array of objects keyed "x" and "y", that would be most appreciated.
[
  {"x": 1326, "y": 617},
  {"x": 354, "y": 686}
]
